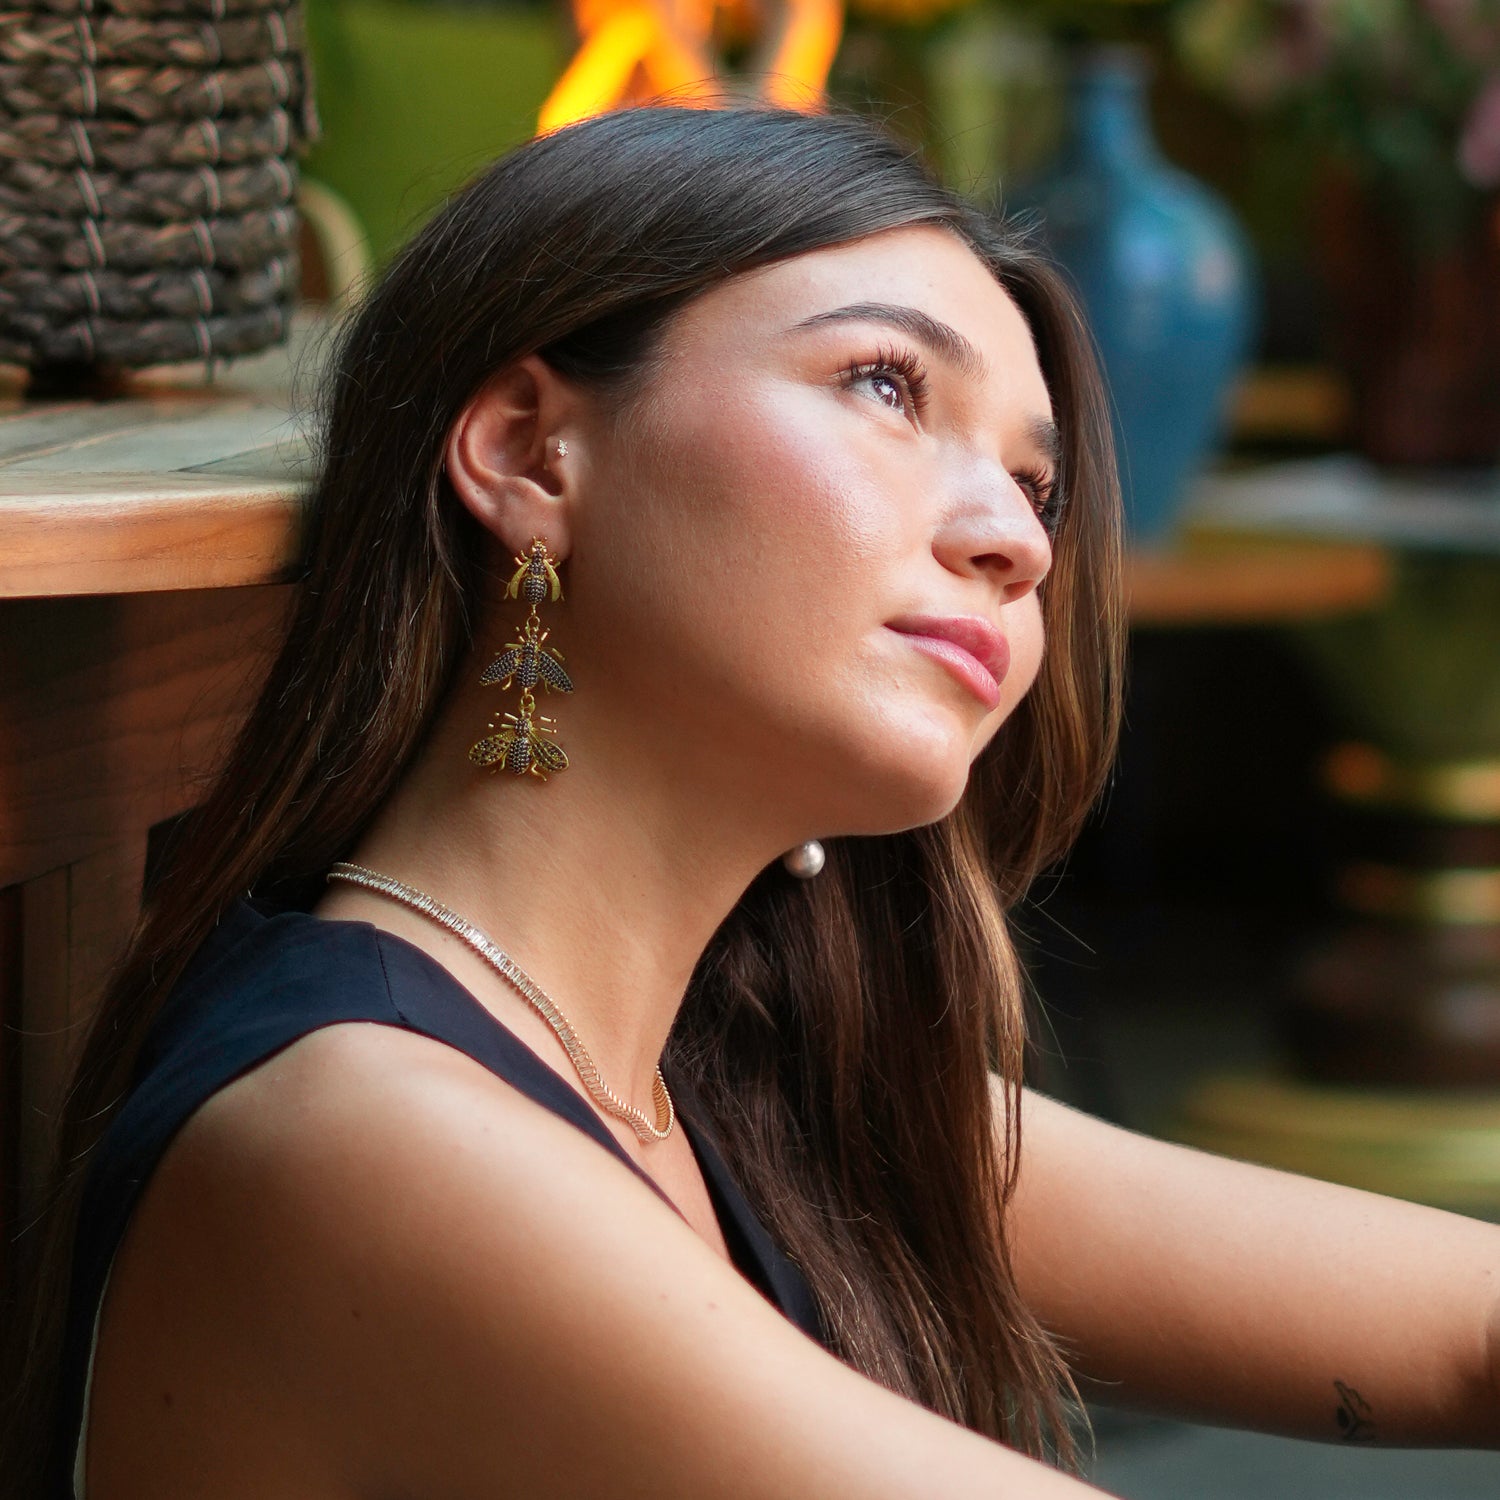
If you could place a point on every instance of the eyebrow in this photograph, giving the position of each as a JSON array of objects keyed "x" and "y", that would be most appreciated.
[{"x": 943, "y": 340}]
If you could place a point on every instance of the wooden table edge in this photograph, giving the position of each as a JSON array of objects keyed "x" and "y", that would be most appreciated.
[{"x": 128, "y": 534}]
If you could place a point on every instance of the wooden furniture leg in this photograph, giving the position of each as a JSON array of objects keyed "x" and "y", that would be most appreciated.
[
  {"x": 113, "y": 711},
  {"x": 75, "y": 922}
]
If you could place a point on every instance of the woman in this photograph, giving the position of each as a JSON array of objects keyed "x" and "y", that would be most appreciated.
[{"x": 699, "y": 488}]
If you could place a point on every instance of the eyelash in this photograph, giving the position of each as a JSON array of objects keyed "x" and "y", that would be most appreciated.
[
  {"x": 1046, "y": 497},
  {"x": 906, "y": 367},
  {"x": 903, "y": 365}
]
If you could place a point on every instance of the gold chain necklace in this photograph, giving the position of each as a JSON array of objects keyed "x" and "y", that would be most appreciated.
[{"x": 508, "y": 968}]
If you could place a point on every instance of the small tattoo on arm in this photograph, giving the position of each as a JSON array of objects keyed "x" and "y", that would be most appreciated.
[{"x": 1356, "y": 1420}]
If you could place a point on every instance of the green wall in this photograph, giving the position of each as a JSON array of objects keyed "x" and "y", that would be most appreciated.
[{"x": 414, "y": 98}]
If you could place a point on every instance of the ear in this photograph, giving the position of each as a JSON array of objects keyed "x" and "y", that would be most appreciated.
[{"x": 501, "y": 457}]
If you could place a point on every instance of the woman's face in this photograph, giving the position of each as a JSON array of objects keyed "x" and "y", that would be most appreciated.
[{"x": 834, "y": 453}]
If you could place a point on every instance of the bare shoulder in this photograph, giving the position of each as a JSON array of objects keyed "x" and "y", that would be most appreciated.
[
  {"x": 267, "y": 1247},
  {"x": 371, "y": 1266}
]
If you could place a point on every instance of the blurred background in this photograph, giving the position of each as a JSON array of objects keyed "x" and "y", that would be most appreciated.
[{"x": 1279, "y": 936}]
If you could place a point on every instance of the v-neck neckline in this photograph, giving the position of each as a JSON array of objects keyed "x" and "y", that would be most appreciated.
[{"x": 744, "y": 1236}]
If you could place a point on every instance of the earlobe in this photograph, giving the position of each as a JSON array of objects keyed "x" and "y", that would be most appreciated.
[{"x": 501, "y": 457}]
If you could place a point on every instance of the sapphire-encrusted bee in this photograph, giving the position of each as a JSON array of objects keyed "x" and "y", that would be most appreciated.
[
  {"x": 520, "y": 748},
  {"x": 528, "y": 662}
]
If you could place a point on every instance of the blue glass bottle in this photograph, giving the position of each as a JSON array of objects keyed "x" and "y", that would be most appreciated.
[{"x": 1165, "y": 277}]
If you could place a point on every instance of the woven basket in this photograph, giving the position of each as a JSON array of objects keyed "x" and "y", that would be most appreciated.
[{"x": 147, "y": 176}]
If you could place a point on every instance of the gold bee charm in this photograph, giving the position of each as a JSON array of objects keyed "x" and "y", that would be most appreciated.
[
  {"x": 534, "y": 573},
  {"x": 520, "y": 748},
  {"x": 518, "y": 741}
]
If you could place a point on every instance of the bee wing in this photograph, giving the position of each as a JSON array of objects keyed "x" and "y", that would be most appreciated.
[
  {"x": 554, "y": 580},
  {"x": 551, "y": 671},
  {"x": 550, "y": 755},
  {"x": 491, "y": 748},
  {"x": 502, "y": 666}
]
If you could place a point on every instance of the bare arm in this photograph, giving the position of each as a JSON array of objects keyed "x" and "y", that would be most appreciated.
[
  {"x": 1194, "y": 1285},
  {"x": 374, "y": 1258}
]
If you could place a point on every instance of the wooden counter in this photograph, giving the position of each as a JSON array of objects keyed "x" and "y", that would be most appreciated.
[
  {"x": 144, "y": 545},
  {"x": 177, "y": 490}
]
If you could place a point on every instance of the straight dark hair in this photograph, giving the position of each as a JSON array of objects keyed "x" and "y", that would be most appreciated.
[{"x": 851, "y": 1037}]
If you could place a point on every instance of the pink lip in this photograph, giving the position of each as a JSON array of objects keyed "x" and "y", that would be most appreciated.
[{"x": 970, "y": 647}]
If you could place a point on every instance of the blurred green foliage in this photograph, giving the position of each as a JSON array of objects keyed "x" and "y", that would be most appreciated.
[{"x": 1405, "y": 92}]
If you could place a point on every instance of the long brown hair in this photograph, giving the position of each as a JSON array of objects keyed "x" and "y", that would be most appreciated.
[{"x": 841, "y": 1032}]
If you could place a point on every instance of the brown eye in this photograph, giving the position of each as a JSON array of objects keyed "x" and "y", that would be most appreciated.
[{"x": 896, "y": 377}]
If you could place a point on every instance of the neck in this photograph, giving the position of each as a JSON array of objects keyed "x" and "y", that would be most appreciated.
[{"x": 605, "y": 884}]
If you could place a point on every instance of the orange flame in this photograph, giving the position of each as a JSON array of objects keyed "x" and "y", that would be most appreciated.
[{"x": 633, "y": 50}]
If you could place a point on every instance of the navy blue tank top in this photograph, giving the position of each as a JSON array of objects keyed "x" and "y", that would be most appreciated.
[{"x": 265, "y": 977}]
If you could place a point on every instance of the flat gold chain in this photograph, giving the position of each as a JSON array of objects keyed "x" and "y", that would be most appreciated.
[{"x": 539, "y": 1000}]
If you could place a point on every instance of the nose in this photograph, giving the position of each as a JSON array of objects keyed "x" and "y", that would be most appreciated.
[{"x": 994, "y": 533}]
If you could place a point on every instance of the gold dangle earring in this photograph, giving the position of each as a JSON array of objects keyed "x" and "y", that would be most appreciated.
[{"x": 518, "y": 741}]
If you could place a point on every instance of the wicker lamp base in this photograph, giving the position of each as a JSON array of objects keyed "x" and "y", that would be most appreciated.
[{"x": 147, "y": 179}]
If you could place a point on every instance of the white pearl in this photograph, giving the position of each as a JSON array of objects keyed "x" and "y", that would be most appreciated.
[{"x": 805, "y": 860}]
